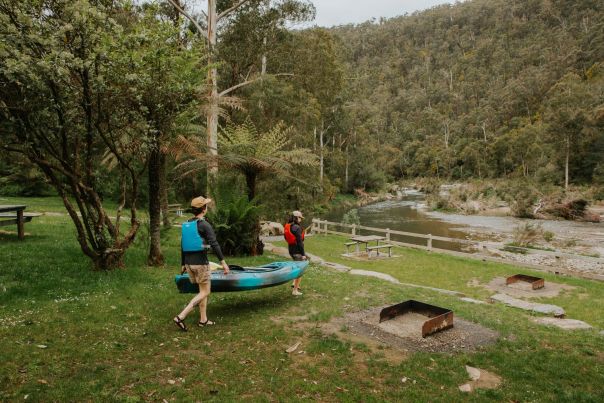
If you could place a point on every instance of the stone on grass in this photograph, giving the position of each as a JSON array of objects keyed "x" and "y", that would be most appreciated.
[
  {"x": 529, "y": 306},
  {"x": 480, "y": 379},
  {"x": 472, "y": 300},
  {"x": 375, "y": 274},
  {"x": 474, "y": 373},
  {"x": 566, "y": 324}
]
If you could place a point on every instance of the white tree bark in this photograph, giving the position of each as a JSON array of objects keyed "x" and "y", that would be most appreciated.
[
  {"x": 566, "y": 162},
  {"x": 321, "y": 155},
  {"x": 212, "y": 118},
  {"x": 263, "y": 71},
  {"x": 346, "y": 171},
  {"x": 447, "y": 134}
]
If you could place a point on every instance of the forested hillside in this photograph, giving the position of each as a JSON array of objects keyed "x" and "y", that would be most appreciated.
[
  {"x": 485, "y": 88},
  {"x": 479, "y": 89}
]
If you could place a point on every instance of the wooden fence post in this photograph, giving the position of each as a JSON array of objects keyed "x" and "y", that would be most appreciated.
[
  {"x": 354, "y": 229},
  {"x": 387, "y": 234},
  {"x": 429, "y": 241}
]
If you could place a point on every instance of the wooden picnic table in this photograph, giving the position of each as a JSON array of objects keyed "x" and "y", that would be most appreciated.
[
  {"x": 365, "y": 240},
  {"x": 13, "y": 214}
]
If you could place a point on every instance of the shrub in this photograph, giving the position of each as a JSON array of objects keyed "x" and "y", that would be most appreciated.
[
  {"x": 352, "y": 217},
  {"x": 527, "y": 234},
  {"x": 548, "y": 236},
  {"x": 521, "y": 196},
  {"x": 237, "y": 226}
]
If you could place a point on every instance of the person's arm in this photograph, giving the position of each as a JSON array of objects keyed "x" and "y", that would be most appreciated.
[{"x": 210, "y": 238}]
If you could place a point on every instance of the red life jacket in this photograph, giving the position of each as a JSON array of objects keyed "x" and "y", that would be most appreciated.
[{"x": 289, "y": 237}]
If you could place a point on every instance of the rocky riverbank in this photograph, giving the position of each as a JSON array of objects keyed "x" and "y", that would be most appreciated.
[
  {"x": 571, "y": 245},
  {"x": 566, "y": 245}
]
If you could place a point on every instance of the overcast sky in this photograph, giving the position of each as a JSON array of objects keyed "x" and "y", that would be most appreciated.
[{"x": 338, "y": 12}]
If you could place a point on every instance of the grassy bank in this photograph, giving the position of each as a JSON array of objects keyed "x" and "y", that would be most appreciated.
[{"x": 71, "y": 334}]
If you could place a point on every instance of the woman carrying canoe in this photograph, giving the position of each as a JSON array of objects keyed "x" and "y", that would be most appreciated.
[
  {"x": 294, "y": 235},
  {"x": 197, "y": 234}
]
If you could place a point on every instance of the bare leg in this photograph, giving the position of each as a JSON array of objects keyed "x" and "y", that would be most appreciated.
[
  {"x": 203, "y": 304},
  {"x": 296, "y": 286},
  {"x": 203, "y": 294}
]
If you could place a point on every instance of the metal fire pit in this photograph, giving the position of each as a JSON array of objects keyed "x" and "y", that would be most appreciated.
[
  {"x": 440, "y": 318},
  {"x": 535, "y": 282}
]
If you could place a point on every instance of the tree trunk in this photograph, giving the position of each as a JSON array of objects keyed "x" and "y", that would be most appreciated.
[
  {"x": 109, "y": 261},
  {"x": 566, "y": 162},
  {"x": 155, "y": 257},
  {"x": 212, "y": 118},
  {"x": 321, "y": 156},
  {"x": 346, "y": 172},
  {"x": 163, "y": 191},
  {"x": 263, "y": 71},
  {"x": 250, "y": 181}
]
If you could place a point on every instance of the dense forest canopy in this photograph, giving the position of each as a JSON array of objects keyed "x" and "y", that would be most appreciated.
[{"x": 485, "y": 88}]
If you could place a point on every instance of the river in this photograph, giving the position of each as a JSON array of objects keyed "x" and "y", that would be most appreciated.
[{"x": 403, "y": 214}]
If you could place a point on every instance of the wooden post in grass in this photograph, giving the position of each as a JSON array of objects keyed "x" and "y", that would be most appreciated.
[
  {"x": 430, "y": 242},
  {"x": 354, "y": 229},
  {"x": 387, "y": 234}
]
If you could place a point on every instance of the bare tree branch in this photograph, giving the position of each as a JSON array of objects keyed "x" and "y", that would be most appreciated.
[
  {"x": 190, "y": 18},
  {"x": 248, "y": 82},
  {"x": 231, "y": 9}
]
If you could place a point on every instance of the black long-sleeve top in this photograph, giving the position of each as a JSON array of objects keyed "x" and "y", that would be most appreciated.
[
  {"x": 209, "y": 238},
  {"x": 298, "y": 248}
]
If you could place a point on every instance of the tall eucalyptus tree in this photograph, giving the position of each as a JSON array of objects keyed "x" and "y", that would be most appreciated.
[{"x": 208, "y": 26}]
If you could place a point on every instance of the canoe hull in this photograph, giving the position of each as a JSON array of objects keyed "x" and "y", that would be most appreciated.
[{"x": 251, "y": 278}]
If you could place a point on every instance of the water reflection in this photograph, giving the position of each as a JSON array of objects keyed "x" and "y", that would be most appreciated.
[{"x": 403, "y": 215}]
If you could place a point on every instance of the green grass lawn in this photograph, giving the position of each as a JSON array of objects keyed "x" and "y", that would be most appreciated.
[{"x": 70, "y": 334}]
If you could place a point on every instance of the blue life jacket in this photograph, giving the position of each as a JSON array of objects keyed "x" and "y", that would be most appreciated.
[{"x": 191, "y": 240}]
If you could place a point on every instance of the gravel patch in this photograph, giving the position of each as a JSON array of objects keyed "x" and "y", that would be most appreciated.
[
  {"x": 522, "y": 289},
  {"x": 404, "y": 332}
]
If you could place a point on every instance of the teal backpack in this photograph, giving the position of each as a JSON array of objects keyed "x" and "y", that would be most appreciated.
[{"x": 191, "y": 240}]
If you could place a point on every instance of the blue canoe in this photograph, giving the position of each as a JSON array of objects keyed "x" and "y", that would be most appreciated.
[{"x": 247, "y": 278}]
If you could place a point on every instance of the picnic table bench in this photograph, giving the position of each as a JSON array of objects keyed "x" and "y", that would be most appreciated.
[
  {"x": 378, "y": 247},
  {"x": 14, "y": 214},
  {"x": 359, "y": 240}
]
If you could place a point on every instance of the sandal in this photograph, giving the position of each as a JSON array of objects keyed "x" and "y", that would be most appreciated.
[
  {"x": 208, "y": 322},
  {"x": 181, "y": 325},
  {"x": 299, "y": 288}
]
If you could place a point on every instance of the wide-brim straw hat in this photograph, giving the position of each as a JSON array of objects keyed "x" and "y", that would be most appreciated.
[{"x": 200, "y": 201}]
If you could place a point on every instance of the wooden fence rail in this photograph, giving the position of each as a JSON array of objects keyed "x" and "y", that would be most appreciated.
[{"x": 322, "y": 227}]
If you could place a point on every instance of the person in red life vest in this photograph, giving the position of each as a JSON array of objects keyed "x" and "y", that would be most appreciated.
[
  {"x": 197, "y": 235},
  {"x": 294, "y": 235}
]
